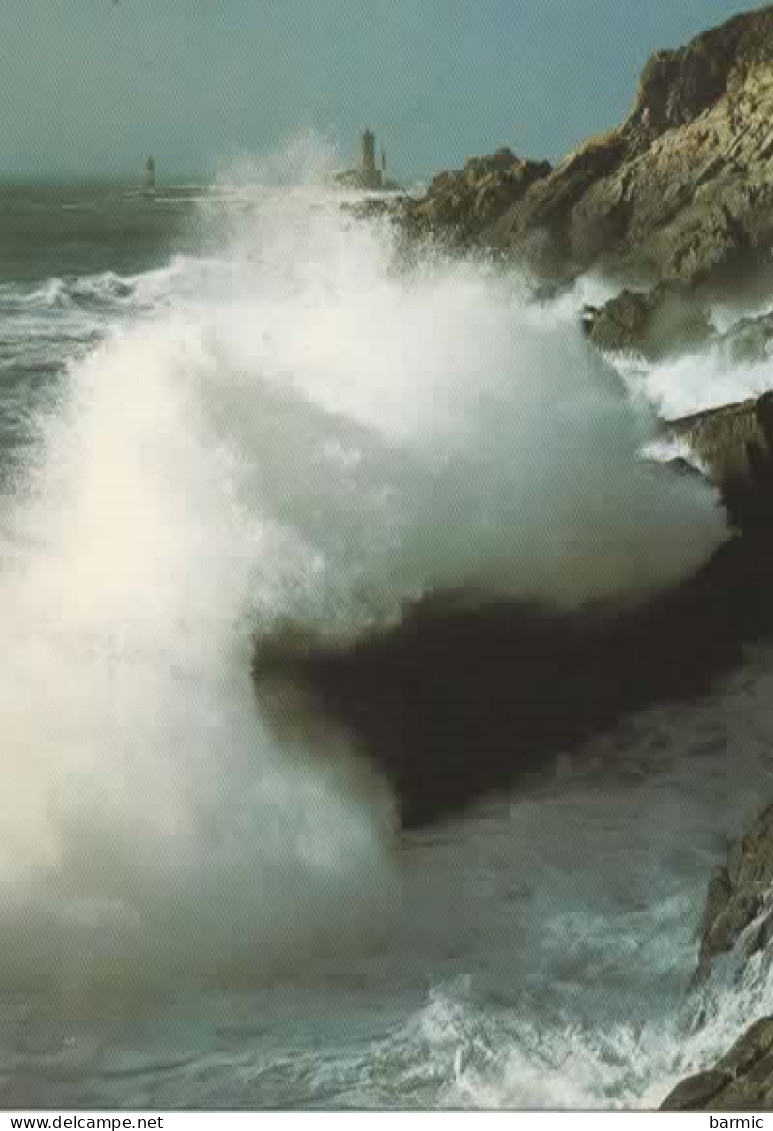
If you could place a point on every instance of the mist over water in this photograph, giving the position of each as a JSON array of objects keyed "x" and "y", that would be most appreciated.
[
  {"x": 148, "y": 822},
  {"x": 299, "y": 430},
  {"x": 295, "y": 427}
]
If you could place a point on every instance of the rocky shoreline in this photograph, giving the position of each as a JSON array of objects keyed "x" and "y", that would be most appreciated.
[
  {"x": 418, "y": 695},
  {"x": 737, "y": 925},
  {"x": 741, "y": 1081},
  {"x": 680, "y": 192},
  {"x": 675, "y": 205}
]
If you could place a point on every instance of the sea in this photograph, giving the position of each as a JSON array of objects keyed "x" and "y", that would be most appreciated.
[{"x": 230, "y": 407}]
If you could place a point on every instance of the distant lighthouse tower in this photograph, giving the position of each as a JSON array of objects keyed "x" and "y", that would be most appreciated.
[
  {"x": 371, "y": 176},
  {"x": 367, "y": 174},
  {"x": 368, "y": 150},
  {"x": 150, "y": 174}
]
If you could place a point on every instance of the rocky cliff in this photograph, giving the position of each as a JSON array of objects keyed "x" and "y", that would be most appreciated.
[
  {"x": 678, "y": 197},
  {"x": 738, "y": 917},
  {"x": 739, "y": 905},
  {"x": 681, "y": 191}
]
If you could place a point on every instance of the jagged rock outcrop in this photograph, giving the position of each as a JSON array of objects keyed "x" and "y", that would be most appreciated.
[
  {"x": 724, "y": 437},
  {"x": 654, "y": 323},
  {"x": 741, "y": 1081},
  {"x": 738, "y": 917},
  {"x": 740, "y": 896},
  {"x": 461, "y": 203},
  {"x": 419, "y": 696},
  {"x": 672, "y": 318},
  {"x": 734, "y": 443},
  {"x": 749, "y": 342},
  {"x": 677, "y": 86},
  {"x": 682, "y": 191}
]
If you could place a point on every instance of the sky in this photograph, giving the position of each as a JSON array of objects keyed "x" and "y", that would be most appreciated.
[{"x": 89, "y": 87}]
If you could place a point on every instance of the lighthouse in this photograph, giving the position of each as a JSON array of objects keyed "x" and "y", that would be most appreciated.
[
  {"x": 367, "y": 175},
  {"x": 149, "y": 179},
  {"x": 368, "y": 168}
]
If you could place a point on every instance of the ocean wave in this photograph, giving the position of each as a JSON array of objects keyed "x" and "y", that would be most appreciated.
[
  {"x": 294, "y": 431},
  {"x": 107, "y": 292}
]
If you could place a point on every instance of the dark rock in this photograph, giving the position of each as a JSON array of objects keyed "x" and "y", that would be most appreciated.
[
  {"x": 696, "y": 1092},
  {"x": 459, "y": 699},
  {"x": 741, "y": 1081},
  {"x": 749, "y": 341},
  {"x": 735, "y": 444},
  {"x": 722, "y": 437},
  {"x": 622, "y": 323},
  {"x": 433, "y": 704},
  {"x": 717, "y": 900},
  {"x": 739, "y": 892},
  {"x": 462, "y": 697},
  {"x": 654, "y": 323},
  {"x": 720, "y": 935}
]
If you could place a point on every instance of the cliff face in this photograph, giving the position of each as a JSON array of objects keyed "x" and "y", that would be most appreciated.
[
  {"x": 687, "y": 203},
  {"x": 738, "y": 917},
  {"x": 682, "y": 191},
  {"x": 676, "y": 86},
  {"x": 738, "y": 904}
]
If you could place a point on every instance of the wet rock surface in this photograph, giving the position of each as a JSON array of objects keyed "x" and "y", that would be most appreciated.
[
  {"x": 519, "y": 683},
  {"x": 460, "y": 699},
  {"x": 735, "y": 445},
  {"x": 737, "y": 918},
  {"x": 741, "y": 1081},
  {"x": 676, "y": 203},
  {"x": 739, "y": 895},
  {"x": 655, "y": 323}
]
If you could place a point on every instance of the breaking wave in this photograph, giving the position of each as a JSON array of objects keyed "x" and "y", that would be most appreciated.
[{"x": 300, "y": 429}]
